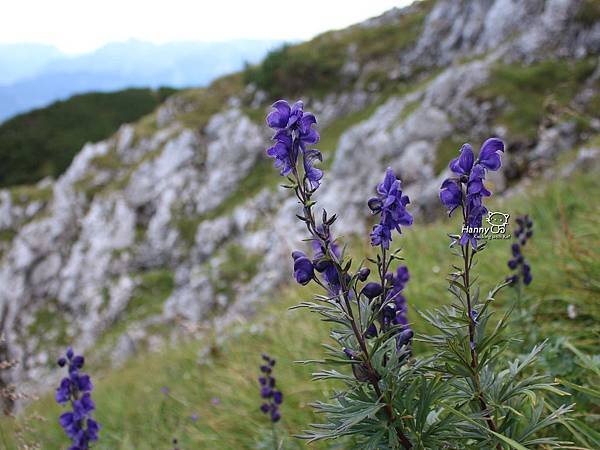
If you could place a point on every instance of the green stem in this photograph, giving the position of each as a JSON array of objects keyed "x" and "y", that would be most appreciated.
[
  {"x": 274, "y": 433},
  {"x": 468, "y": 259}
]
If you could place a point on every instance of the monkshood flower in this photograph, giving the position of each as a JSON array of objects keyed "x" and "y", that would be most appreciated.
[
  {"x": 395, "y": 311},
  {"x": 391, "y": 205},
  {"x": 271, "y": 396},
  {"x": 325, "y": 266},
  {"x": 466, "y": 189},
  {"x": 293, "y": 134},
  {"x": 304, "y": 268},
  {"x": 76, "y": 389},
  {"x": 351, "y": 301},
  {"x": 517, "y": 263}
]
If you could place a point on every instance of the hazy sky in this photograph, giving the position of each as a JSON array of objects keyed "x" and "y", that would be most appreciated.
[{"x": 82, "y": 25}]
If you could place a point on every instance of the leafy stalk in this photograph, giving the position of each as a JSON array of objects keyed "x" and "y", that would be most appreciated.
[{"x": 304, "y": 194}]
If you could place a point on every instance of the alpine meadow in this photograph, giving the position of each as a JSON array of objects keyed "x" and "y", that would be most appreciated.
[{"x": 384, "y": 237}]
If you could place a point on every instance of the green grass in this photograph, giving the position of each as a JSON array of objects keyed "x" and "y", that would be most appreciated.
[
  {"x": 536, "y": 91},
  {"x": 44, "y": 141},
  {"x": 588, "y": 12},
  {"x": 314, "y": 68},
  {"x": 23, "y": 195},
  {"x": 135, "y": 415},
  {"x": 154, "y": 288}
]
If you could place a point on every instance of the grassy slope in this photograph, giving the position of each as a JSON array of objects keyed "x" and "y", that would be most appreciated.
[{"x": 136, "y": 415}]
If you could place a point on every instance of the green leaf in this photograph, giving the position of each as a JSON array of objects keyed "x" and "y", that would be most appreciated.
[
  {"x": 583, "y": 389},
  {"x": 514, "y": 444}
]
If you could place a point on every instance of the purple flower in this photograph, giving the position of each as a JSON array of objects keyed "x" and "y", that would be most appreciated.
[
  {"x": 294, "y": 132},
  {"x": 451, "y": 195},
  {"x": 304, "y": 270},
  {"x": 517, "y": 263},
  {"x": 391, "y": 205},
  {"x": 326, "y": 267},
  {"x": 489, "y": 156},
  {"x": 372, "y": 290},
  {"x": 271, "y": 396},
  {"x": 283, "y": 153},
  {"x": 395, "y": 311},
  {"x": 464, "y": 163},
  {"x": 76, "y": 390},
  {"x": 313, "y": 175},
  {"x": 466, "y": 189},
  {"x": 363, "y": 273}
]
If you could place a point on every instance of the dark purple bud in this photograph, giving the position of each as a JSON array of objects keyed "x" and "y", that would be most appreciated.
[
  {"x": 303, "y": 268},
  {"x": 265, "y": 392},
  {"x": 363, "y": 273},
  {"x": 371, "y": 331},
  {"x": 372, "y": 290},
  {"x": 350, "y": 353},
  {"x": 77, "y": 362},
  {"x": 264, "y": 407},
  {"x": 512, "y": 279},
  {"x": 275, "y": 416},
  {"x": 62, "y": 362},
  {"x": 277, "y": 397},
  {"x": 404, "y": 338},
  {"x": 512, "y": 264}
]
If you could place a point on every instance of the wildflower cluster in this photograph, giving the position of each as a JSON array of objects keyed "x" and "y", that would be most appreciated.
[
  {"x": 293, "y": 133},
  {"x": 271, "y": 396},
  {"x": 466, "y": 188},
  {"x": 376, "y": 332},
  {"x": 466, "y": 396},
  {"x": 390, "y": 204},
  {"x": 517, "y": 263},
  {"x": 76, "y": 389}
]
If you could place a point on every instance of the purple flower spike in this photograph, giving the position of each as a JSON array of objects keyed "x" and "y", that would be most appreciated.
[
  {"x": 466, "y": 189},
  {"x": 76, "y": 390},
  {"x": 391, "y": 205},
  {"x": 272, "y": 398},
  {"x": 522, "y": 234},
  {"x": 294, "y": 132}
]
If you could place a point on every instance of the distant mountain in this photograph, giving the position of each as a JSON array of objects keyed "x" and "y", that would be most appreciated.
[
  {"x": 18, "y": 61},
  {"x": 33, "y": 76}
]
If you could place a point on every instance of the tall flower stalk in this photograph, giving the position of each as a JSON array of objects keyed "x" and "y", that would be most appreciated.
[
  {"x": 457, "y": 398},
  {"x": 75, "y": 390},
  {"x": 468, "y": 352},
  {"x": 375, "y": 336},
  {"x": 468, "y": 194}
]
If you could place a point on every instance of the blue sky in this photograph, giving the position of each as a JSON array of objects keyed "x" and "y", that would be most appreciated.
[{"x": 76, "y": 26}]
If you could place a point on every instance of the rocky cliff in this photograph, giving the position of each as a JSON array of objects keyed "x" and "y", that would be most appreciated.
[{"x": 175, "y": 222}]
